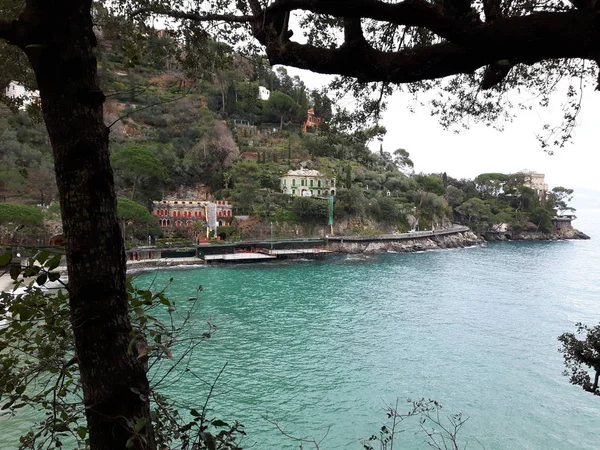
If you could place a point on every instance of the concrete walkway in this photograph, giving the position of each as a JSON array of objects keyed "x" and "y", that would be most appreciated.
[{"x": 400, "y": 236}]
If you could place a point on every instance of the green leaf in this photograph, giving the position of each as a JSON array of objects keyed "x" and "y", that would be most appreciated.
[
  {"x": 82, "y": 432},
  {"x": 195, "y": 413},
  {"x": 15, "y": 271},
  {"x": 42, "y": 257},
  {"x": 31, "y": 271},
  {"x": 41, "y": 280},
  {"x": 53, "y": 276},
  {"x": 5, "y": 259},
  {"x": 9, "y": 404},
  {"x": 25, "y": 314},
  {"x": 219, "y": 423},
  {"x": 139, "y": 424},
  {"x": 53, "y": 262}
]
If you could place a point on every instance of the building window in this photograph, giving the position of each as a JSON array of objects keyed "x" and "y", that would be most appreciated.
[
  {"x": 293, "y": 182},
  {"x": 293, "y": 191},
  {"x": 303, "y": 182},
  {"x": 311, "y": 183},
  {"x": 318, "y": 183}
]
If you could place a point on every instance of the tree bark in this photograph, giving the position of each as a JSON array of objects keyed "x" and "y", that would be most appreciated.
[{"x": 58, "y": 39}]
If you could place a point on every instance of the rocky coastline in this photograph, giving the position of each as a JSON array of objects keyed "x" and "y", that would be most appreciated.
[
  {"x": 418, "y": 244},
  {"x": 557, "y": 235},
  {"x": 448, "y": 241}
]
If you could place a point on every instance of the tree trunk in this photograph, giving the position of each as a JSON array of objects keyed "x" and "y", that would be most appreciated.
[{"x": 58, "y": 39}]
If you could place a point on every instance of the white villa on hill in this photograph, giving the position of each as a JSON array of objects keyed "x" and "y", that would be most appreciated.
[
  {"x": 307, "y": 183},
  {"x": 15, "y": 90}
]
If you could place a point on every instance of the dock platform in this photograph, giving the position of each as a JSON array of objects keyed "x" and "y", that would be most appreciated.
[
  {"x": 238, "y": 257},
  {"x": 295, "y": 252}
]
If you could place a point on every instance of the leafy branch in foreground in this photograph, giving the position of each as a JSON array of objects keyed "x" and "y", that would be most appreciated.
[
  {"x": 40, "y": 372},
  {"x": 582, "y": 357},
  {"x": 442, "y": 434}
]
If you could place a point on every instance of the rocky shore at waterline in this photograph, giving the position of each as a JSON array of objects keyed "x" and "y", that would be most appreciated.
[
  {"x": 557, "y": 235},
  {"x": 442, "y": 240},
  {"x": 418, "y": 243}
]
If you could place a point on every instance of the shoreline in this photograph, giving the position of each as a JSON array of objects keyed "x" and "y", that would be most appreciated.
[{"x": 368, "y": 245}]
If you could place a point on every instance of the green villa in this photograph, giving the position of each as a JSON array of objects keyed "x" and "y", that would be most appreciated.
[{"x": 307, "y": 183}]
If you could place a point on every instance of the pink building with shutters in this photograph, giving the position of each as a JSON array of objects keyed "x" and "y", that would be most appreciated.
[{"x": 183, "y": 213}]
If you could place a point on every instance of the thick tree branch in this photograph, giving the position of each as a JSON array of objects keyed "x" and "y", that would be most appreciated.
[
  {"x": 7, "y": 31},
  {"x": 495, "y": 73},
  {"x": 408, "y": 12},
  {"x": 584, "y": 4},
  {"x": 353, "y": 34},
  {"x": 524, "y": 39},
  {"x": 492, "y": 10},
  {"x": 458, "y": 9},
  {"x": 255, "y": 7}
]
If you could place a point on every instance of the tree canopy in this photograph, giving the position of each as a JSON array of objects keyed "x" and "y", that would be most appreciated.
[
  {"x": 20, "y": 214},
  {"x": 132, "y": 211},
  {"x": 483, "y": 46}
]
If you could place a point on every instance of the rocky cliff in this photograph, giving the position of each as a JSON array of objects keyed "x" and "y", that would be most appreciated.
[
  {"x": 566, "y": 233},
  {"x": 421, "y": 243}
]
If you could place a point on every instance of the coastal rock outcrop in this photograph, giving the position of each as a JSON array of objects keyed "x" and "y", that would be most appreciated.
[
  {"x": 421, "y": 243},
  {"x": 566, "y": 233}
]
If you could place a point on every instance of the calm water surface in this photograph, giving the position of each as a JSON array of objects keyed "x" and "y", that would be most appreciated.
[
  {"x": 326, "y": 345},
  {"x": 318, "y": 345}
]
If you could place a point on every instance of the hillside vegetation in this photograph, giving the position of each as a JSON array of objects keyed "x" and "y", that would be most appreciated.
[{"x": 174, "y": 133}]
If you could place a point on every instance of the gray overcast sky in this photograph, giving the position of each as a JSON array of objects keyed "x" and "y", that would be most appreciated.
[{"x": 483, "y": 149}]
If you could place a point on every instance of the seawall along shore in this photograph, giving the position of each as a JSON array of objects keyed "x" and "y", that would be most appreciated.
[{"x": 406, "y": 243}]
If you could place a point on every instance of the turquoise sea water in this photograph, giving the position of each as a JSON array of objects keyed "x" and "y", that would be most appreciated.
[
  {"x": 318, "y": 346},
  {"x": 326, "y": 345}
]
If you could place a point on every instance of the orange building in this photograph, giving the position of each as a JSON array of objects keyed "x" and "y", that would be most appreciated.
[
  {"x": 311, "y": 120},
  {"x": 183, "y": 213}
]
